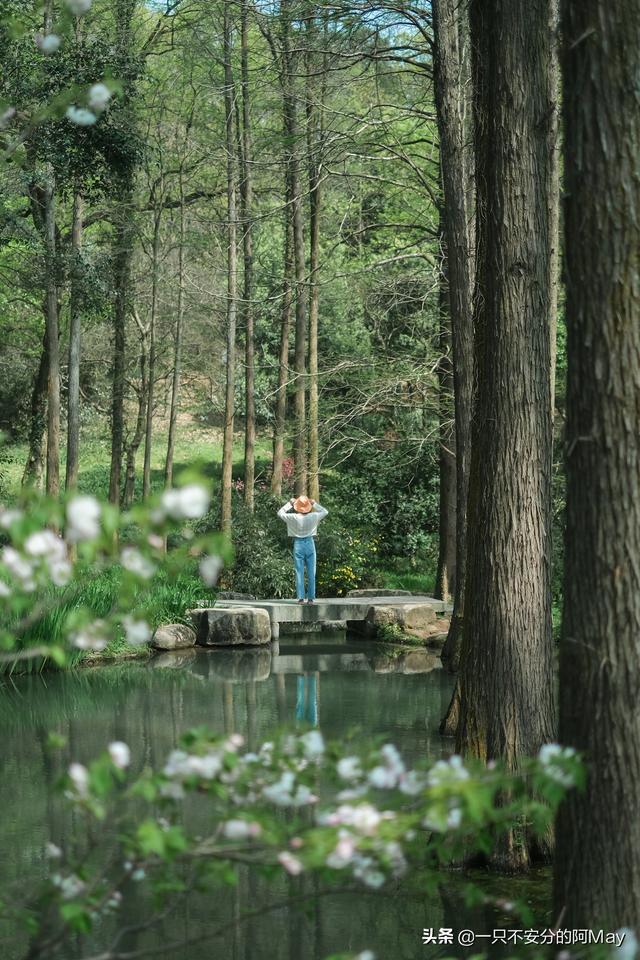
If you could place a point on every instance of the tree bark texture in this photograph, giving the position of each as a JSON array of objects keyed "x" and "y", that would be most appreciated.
[
  {"x": 291, "y": 139},
  {"x": 177, "y": 345},
  {"x": 34, "y": 468},
  {"x": 446, "y": 569},
  {"x": 246, "y": 200},
  {"x": 506, "y": 682},
  {"x": 280, "y": 413},
  {"x": 597, "y": 876},
  {"x": 75, "y": 336},
  {"x": 53, "y": 346},
  {"x": 232, "y": 280},
  {"x": 155, "y": 270},
  {"x": 452, "y": 82},
  {"x": 122, "y": 243}
]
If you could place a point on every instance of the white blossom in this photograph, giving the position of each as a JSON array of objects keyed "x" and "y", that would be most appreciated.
[
  {"x": 172, "y": 790},
  {"x": 210, "y": 568},
  {"x": 282, "y": 793},
  {"x": 186, "y": 503},
  {"x": 342, "y": 855},
  {"x": 78, "y": 7},
  {"x": 80, "y": 116},
  {"x": 454, "y": 818},
  {"x": 349, "y": 768},
  {"x": 70, "y": 886},
  {"x": 79, "y": 776},
  {"x": 99, "y": 96},
  {"x": 290, "y": 863},
  {"x": 47, "y": 43},
  {"x": 181, "y": 765},
  {"x": 240, "y": 830},
  {"x": 91, "y": 637},
  {"x": 83, "y": 519},
  {"x": 136, "y": 632},
  {"x": 52, "y": 851},
  {"x": 120, "y": 754},
  {"x": 136, "y": 563},
  {"x": 5, "y": 591},
  {"x": 550, "y": 754},
  {"x": 21, "y": 568},
  {"x": 365, "y": 955},
  {"x": 8, "y": 515},
  {"x": 313, "y": 744},
  {"x": 447, "y": 771}
]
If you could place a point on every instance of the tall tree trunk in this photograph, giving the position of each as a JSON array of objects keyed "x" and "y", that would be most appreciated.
[
  {"x": 177, "y": 346},
  {"x": 506, "y": 682},
  {"x": 291, "y": 135},
  {"x": 34, "y": 468},
  {"x": 75, "y": 334},
  {"x": 232, "y": 283},
  {"x": 131, "y": 448},
  {"x": 554, "y": 194},
  {"x": 446, "y": 569},
  {"x": 53, "y": 346},
  {"x": 122, "y": 247},
  {"x": 316, "y": 94},
  {"x": 148, "y": 438},
  {"x": 283, "y": 359},
  {"x": 246, "y": 197},
  {"x": 452, "y": 82},
  {"x": 597, "y": 875}
]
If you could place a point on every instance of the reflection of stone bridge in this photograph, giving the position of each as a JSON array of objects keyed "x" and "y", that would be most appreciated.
[{"x": 259, "y": 663}]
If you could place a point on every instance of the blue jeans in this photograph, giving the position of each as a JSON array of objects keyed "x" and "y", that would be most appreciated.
[{"x": 304, "y": 555}]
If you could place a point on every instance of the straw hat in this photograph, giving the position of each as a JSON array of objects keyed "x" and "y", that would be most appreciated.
[{"x": 302, "y": 505}]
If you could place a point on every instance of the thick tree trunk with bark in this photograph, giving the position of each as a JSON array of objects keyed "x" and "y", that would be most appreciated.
[
  {"x": 506, "y": 681},
  {"x": 75, "y": 335},
  {"x": 446, "y": 569},
  {"x": 597, "y": 875},
  {"x": 232, "y": 281},
  {"x": 246, "y": 199},
  {"x": 452, "y": 84}
]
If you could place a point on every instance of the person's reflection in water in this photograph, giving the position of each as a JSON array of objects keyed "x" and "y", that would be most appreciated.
[{"x": 307, "y": 698}]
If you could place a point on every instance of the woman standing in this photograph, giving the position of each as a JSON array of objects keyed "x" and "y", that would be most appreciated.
[{"x": 302, "y": 517}]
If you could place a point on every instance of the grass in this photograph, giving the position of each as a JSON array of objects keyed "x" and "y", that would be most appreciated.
[
  {"x": 198, "y": 447},
  {"x": 405, "y": 577},
  {"x": 163, "y": 600}
]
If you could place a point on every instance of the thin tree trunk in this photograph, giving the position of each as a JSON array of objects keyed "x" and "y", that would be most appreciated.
[
  {"x": 75, "y": 334},
  {"x": 177, "y": 348},
  {"x": 229, "y": 411},
  {"x": 283, "y": 359},
  {"x": 597, "y": 873},
  {"x": 53, "y": 346},
  {"x": 291, "y": 135},
  {"x": 122, "y": 276},
  {"x": 146, "y": 470},
  {"x": 506, "y": 681},
  {"x": 246, "y": 197},
  {"x": 131, "y": 448},
  {"x": 34, "y": 468},
  {"x": 554, "y": 195},
  {"x": 315, "y": 137},
  {"x": 446, "y": 570},
  {"x": 452, "y": 82}
]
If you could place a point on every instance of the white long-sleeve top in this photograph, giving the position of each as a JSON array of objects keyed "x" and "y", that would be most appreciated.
[{"x": 302, "y": 524}]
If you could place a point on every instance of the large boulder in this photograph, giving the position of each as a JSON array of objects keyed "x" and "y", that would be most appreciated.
[
  {"x": 238, "y": 626},
  {"x": 173, "y": 636},
  {"x": 415, "y": 619},
  {"x": 417, "y": 616}
]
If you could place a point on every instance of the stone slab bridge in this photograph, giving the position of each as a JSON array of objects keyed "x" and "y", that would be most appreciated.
[{"x": 254, "y": 622}]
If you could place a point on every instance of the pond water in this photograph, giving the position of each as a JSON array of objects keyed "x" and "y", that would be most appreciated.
[{"x": 323, "y": 680}]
